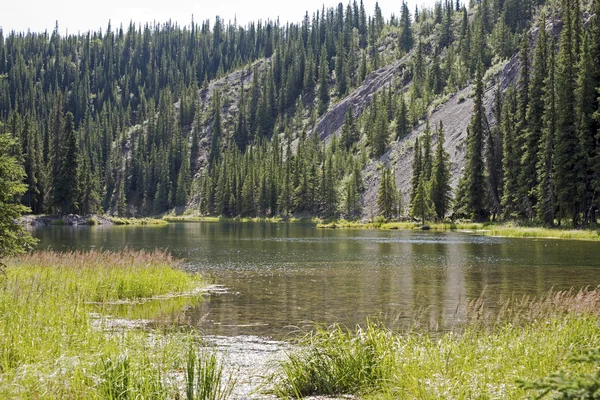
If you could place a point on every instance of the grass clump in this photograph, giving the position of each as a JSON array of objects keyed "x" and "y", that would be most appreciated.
[
  {"x": 138, "y": 221},
  {"x": 100, "y": 276},
  {"x": 335, "y": 361},
  {"x": 205, "y": 377},
  {"x": 51, "y": 345},
  {"x": 492, "y": 352}
]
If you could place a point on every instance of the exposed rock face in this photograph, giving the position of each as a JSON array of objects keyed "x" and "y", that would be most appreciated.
[{"x": 359, "y": 99}]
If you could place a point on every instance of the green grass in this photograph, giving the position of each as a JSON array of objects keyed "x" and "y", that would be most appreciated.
[
  {"x": 138, "y": 221},
  {"x": 52, "y": 348},
  {"x": 521, "y": 340},
  {"x": 195, "y": 218},
  {"x": 487, "y": 229}
]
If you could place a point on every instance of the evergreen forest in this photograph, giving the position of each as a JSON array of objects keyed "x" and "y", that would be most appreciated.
[{"x": 330, "y": 117}]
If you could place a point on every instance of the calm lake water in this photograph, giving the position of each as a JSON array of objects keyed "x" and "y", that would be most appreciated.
[{"x": 282, "y": 276}]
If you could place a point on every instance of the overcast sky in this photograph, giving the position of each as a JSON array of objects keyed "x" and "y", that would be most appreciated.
[{"x": 81, "y": 16}]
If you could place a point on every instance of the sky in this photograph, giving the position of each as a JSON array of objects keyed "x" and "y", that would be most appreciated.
[{"x": 80, "y": 16}]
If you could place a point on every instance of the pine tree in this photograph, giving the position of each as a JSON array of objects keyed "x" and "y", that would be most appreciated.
[
  {"x": 422, "y": 206},
  {"x": 14, "y": 239},
  {"x": 566, "y": 158},
  {"x": 440, "y": 190},
  {"x": 535, "y": 112},
  {"x": 595, "y": 53},
  {"x": 386, "y": 195},
  {"x": 471, "y": 197},
  {"x": 66, "y": 190},
  {"x": 217, "y": 132},
  {"x": 406, "y": 37},
  {"x": 510, "y": 198},
  {"x": 545, "y": 169},
  {"x": 323, "y": 81},
  {"x": 349, "y": 133},
  {"x": 493, "y": 157},
  {"x": 341, "y": 75},
  {"x": 585, "y": 94},
  {"x": 402, "y": 124},
  {"x": 427, "y": 162},
  {"x": 122, "y": 201},
  {"x": 417, "y": 168},
  {"x": 523, "y": 202},
  {"x": 241, "y": 129}
]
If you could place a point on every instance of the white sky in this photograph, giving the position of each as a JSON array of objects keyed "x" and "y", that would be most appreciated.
[{"x": 81, "y": 16}]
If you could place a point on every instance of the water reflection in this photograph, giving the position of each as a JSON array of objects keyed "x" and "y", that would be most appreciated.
[{"x": 282, "y": 276}]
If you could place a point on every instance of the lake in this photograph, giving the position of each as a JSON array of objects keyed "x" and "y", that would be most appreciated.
[{"x": 277, "y": 277}]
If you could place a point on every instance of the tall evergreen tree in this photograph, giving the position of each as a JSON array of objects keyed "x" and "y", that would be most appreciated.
[
  {"x": 323, "y": 81},
  {"x": 217, "y": 131},
  {"x": 535, "y": 112},
  {"x": 566, "y": 157},
  {"x": 406, "y": 36},
  {"x": 66, "y": 190},
  {"x": 440, "y": 189},
  {"x": 417, "y": 170},
  {"x": 471, "y": 196},
  {"x": 545, "y": 170}
]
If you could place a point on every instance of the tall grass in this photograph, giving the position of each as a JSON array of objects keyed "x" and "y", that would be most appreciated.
[
  {"x": 50, "y": 346},
  {"x": 100, "y": 276},
  {"x": 523, "y": 339},
  {"x": 205, "y": 377}
]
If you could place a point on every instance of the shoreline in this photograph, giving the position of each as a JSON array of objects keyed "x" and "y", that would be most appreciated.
[
  {"x": 492, "y": 229},
  {"x": 482, "y": 229}
]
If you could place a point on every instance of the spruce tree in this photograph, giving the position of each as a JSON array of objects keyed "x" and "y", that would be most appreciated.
[
  {"x": 402, "y": 124},
  {"x": 440, "y": 189},
  {"x": 386, "y": 195},
  {"x": 422, "y": 206},
  {"x": 493, "y": 157},
  {"x": 417, "y": 168},
  {"x": 323, "y": 81},
  {"x": 405, "y": 40},
  {"x": 66, "y": 190},
  {"x": 523, "y": 203},
  {"x": 585, "y": 94},
  {"x": 217, "y": 131},
  {"x": 545, "y": 170},
  {"x": 510, "y": 163},
  {"x": 534, "y": 117},
  {"x": 472, "y": 198},
  {"x": 566, "y": 146},
  {"x": 427, "y": 161},
  {"x": 14, "y": 239}
]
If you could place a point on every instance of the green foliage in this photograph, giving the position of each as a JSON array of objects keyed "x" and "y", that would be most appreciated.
[
  {"x": 562, "y": 385},
  {"x": 14, "y": 239},
  {"x": 78, "y": 357}
]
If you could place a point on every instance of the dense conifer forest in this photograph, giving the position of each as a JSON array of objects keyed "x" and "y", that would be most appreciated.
[{"x": 220, "y": 119}]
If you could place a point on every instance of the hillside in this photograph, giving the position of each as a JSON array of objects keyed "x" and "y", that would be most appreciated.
[{"x": 313, "y": 118}]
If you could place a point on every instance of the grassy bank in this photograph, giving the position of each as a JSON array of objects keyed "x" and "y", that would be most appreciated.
[
  {"x": 489, "y": 358},
  {"x": 138, "y": 221},
  {"x": 195, "y": 218},
  {"x": 52, "y": 346},
  {"x": 487, "y": 229}
]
